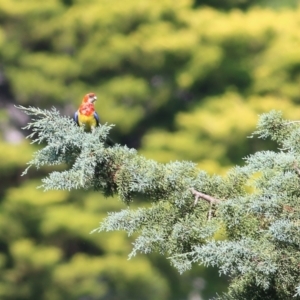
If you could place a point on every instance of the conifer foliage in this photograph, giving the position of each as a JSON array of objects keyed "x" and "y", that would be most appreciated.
[{"x": 256, "y": 205}]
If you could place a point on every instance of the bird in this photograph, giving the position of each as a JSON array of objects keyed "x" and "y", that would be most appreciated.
[{"x": 86, "y": 115}]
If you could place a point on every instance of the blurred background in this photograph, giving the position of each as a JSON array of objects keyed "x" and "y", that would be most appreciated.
[{"x": 182, "y": 80}]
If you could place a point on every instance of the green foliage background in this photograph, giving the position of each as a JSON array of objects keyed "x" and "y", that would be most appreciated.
[{"x": 181, "y": 80}]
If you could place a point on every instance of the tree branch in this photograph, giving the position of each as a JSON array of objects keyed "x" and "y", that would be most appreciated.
[
  {"x": 296, "y": 168},
  {"x": 209, "y": 212},
  {"x": 291, "y": 122},
  {"x": 203, "y": 196}
]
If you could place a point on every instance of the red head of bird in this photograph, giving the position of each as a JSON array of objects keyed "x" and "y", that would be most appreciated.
[{"x": 89, "y": 98}]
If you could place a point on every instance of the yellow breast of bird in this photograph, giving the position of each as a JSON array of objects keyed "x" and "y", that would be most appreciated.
[{"x": 88, "y": 121}]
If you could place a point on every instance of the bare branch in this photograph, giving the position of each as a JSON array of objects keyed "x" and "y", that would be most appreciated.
[
  {"x": 210, "y": 212},
  {"x": 205, "y": 197},
  {"x": 291, "y": 122},
  {"x": 296, "y": 168}
]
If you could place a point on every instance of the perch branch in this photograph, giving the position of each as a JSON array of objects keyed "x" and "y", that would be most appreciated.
[
  {"x": 296, "y": 168},
  {"x": 291, "y": 122},
  {"x": 210, "y": 212},
  {"x": 203, "y": 196}
]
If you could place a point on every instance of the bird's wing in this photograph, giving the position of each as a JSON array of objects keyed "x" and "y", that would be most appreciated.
[
  {"x": 75, "y": 117},
  {"x": 96, "y": 116}
]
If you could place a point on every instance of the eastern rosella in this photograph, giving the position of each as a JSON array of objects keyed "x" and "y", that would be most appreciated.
[{"x": 86, "y": 115}]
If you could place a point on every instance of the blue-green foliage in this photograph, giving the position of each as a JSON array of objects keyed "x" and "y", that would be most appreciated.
[{"x": 258, "y": 207}]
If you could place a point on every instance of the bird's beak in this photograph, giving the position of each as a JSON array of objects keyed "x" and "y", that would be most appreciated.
[{"x": 94, "y": 99}]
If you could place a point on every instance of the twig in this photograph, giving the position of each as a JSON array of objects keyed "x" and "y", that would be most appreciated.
[
  {"x": 209, "y": 212},
  {"x": 296, "y": 168},
  {"x": 291, "y": 122},
  {"x": 205, "y": 197}
]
